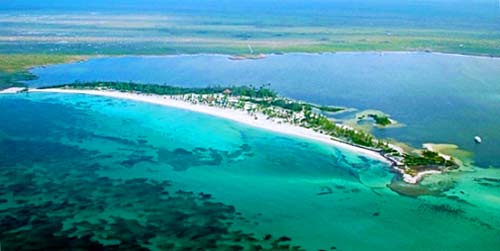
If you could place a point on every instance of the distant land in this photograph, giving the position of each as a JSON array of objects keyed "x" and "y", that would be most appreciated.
[{"x": 57, "y": 31}]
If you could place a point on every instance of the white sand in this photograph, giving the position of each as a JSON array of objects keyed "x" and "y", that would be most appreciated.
[
  {"x": 436, "y": 148},
  {"x": 415, "y": 179},
  {"x": 11, "y": 90},
  {"x": 235, "y": 115}
]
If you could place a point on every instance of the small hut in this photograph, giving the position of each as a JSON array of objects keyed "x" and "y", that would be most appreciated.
[{"x": 227, "y": 92}]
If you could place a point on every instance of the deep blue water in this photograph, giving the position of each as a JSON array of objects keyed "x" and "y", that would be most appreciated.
[
  {"x": 440, "y": 98},
  {"x": 432, "y": 14}
]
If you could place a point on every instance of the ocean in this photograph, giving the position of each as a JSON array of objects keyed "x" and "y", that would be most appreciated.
[{"x": 100, "y": 173}]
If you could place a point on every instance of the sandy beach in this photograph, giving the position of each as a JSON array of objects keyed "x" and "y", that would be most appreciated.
[
  {"x": 231, "y": 114},
  {"x": 415, "y": 179},
  {"x": 11, "y": 90}
]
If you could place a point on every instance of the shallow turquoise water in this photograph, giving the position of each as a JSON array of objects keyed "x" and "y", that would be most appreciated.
[
  {"x": 440, "y": 98},
  {"x": 94, "y": 172}
]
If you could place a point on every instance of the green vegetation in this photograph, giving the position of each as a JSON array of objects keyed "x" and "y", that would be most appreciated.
[
  {"x": 332, "y": 109},
  {"x": 292, "y": 105},
  {"x": 14, "y": 79},
  {"x": 380, "y": 119},
  {"x": 20, "y": 62},
  {"x": 327, "y": 126},
  {"x": 287, "y": 105},
  {"x": 14, "y": 67},
  {"x": 246, "y": 91},
  {"x": 428, "y": 158}
]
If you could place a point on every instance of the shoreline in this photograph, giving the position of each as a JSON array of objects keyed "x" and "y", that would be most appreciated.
[
  {"x": 234, "y": 115},
  {"x": 228, "y": 56},
  {"x": 415, "y": 179},
  {"x": 12, "y": 90}
]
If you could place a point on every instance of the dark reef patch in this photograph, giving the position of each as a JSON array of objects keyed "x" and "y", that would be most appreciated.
[
  {"x": 182, "y": 159},
  {"x": 445, "y": 208},
  {"x": 136, "y": 158},
  {"x": 414, "y": 190},
  {"x": 455, "y": 212},
  {"x": 324, "y": 190},
  {"x": 62, "y": 203},
  {"x": 488, "y": 182}
]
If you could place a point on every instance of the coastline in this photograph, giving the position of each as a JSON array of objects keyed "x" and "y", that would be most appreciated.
[
  {"x": 76, "y": 59},
  {"x": 12, "y": 90},
  {"x": 85, "y": 57},
  {"x": 415, "y": 179},
  {"x": 235, "y": 115},
  {"x": 266, "y": 55}
]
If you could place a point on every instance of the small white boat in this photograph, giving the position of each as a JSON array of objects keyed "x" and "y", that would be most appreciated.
[{"x": 478, "y": 140}]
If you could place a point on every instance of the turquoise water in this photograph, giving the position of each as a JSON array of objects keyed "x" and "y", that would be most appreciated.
[
  {"x": 93, "y": 172},
  {"x": 440, "y": 98}
]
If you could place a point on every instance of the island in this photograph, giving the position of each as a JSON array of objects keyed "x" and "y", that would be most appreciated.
[
  {"x": 379, "y": 118},
  {"x": 248, "y": 56},
  {"x": 262, "y": 107}
]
